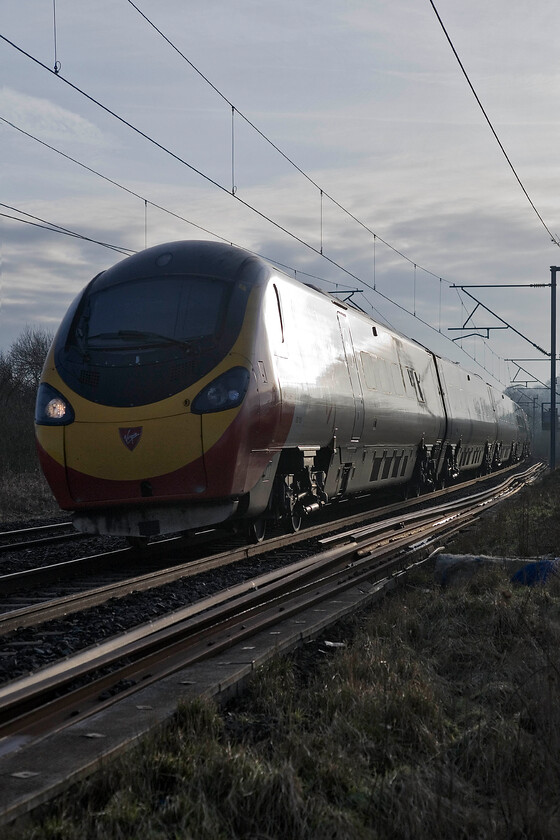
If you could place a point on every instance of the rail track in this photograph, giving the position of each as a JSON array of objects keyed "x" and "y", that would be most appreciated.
[
  {"x": 35, "y": 536},
  {"x": 351, "y": 566},
  {"x": 116, "y": 568}
]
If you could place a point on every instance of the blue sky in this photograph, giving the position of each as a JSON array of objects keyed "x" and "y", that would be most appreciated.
[{"x": 365, "y": 97}]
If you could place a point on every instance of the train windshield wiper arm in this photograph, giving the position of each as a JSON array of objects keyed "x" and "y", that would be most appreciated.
[{"x": 151, "y": 337}]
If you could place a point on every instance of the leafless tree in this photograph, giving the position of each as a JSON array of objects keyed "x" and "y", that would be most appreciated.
[
  {"x": 6, "y": 376},
  {"x": 27, "y": 356}
]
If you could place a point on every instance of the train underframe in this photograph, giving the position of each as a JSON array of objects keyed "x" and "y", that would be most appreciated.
[{"x": 299, "y": 487}]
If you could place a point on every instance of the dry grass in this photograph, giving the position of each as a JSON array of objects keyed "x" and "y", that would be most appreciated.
[
  {"x": 439, "y": 719},
  {"x": 24, "y": 492},
  {"x": 527, "y": 525},
  {"x": 25, "y": 496}
]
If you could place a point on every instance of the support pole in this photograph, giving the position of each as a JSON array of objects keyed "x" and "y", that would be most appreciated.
[{"x": 553, "y": 270}]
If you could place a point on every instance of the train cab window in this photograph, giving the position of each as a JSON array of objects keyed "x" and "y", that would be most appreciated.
[{"x": 156, "y": 309}]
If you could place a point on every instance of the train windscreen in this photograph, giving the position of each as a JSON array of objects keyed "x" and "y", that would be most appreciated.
[
  {"x": 143, "y": 339},
  {"x": 151, "y": 310}
]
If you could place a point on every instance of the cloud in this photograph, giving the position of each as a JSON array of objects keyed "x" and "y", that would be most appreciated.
[{"x": 48, "y": 120}]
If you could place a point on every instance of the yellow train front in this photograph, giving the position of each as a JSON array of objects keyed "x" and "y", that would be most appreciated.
[{"x": 149, "y": 414}]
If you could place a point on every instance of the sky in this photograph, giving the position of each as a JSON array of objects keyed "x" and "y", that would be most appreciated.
[{"x": 340, "y": 139}]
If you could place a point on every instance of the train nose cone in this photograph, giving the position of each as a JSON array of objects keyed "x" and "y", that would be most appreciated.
[{"x": 106, "y": 460}]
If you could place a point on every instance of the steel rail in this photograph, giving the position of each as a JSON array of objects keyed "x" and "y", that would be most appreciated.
[
  {"x": 21, "y": 545},
  {"x": 66, "y": 605},
  {"x": 531, "y": 473},
  {"x": 35, "y": 614},
  {"x": 53, "y": 526},
  {"x": 216, "y": 623}
]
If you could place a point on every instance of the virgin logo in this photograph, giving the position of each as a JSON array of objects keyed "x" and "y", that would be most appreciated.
[{"x": 131, "y": 437}]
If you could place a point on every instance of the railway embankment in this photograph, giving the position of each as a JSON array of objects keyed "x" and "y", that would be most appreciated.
[{"x": 434, "y": 715}]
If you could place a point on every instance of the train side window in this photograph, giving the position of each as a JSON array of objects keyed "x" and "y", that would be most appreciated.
[
  {"x": 368, "y": 367},
  {"x": 415, "y": 382},
  {"x": 277, "y": 293},
  {"x": 384, "y": 376}
]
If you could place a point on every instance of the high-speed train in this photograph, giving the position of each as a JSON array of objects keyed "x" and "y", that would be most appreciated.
[{"x": 195, "y": 383}]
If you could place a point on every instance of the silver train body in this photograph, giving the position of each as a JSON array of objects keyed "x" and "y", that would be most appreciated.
[{"x": 322, "y": 401}]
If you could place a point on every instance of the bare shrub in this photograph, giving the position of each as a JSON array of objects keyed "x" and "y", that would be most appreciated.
[
  {"x": 27, "y": 356},
  {"x": 23, "y": 491}
]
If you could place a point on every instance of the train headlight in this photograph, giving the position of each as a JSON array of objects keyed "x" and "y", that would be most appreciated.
[
  {"x": 51, "y": 408},
  {"x": 226, "y": 391}
]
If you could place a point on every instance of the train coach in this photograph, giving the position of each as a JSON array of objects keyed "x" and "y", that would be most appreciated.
[{"x": 194, "y": 384}]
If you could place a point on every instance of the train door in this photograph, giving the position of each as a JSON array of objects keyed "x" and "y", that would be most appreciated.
[{"x": 352, "y": 368}]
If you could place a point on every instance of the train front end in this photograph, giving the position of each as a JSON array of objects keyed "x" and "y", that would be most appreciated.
[{"x": 145, "y": 409}]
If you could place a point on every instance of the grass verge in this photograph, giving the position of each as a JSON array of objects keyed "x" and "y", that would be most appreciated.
[
  {"x": 26, "y": 495},
  {"x": 438, "y": 718}
]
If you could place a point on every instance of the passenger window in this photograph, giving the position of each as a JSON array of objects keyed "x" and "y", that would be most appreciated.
[
  {"x": 368, "y": 367},
  {"x": 384, "y": 376}
]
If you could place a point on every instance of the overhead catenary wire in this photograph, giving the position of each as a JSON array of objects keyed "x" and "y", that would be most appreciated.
[
  {"x": 55, "y": 228},
  {"x": 323, "y": 193},
  {"x": 215, "y": 183},
  {"x": 182, "y": 161},
  {"x": 318, "y": 251},
  {"x": 492, "y": 129},
  {"x": 150, "y": 203},
  {"x": 36, "y": 221},
  {"x": 59, "y": 229},
  {"x": 112, "y": 181},
  {"x": 206, "y": 177},
  {"x": 52, "y": 227}
]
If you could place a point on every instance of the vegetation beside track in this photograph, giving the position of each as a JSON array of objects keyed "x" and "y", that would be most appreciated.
[
  {"x": 435, "y": 715},
  {"x": 24, "y": 493}
]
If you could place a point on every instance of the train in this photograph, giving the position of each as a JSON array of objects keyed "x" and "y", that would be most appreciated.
[{"x": 195, "y": 385}]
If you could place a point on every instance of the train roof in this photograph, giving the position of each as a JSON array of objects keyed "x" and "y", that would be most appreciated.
[{"x": 216, "y": 259}]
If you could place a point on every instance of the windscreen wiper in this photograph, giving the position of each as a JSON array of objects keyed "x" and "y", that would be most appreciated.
[{"x": 152, "y": 337}]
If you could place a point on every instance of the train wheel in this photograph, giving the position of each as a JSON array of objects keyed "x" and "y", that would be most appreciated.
[
  {"x": 257, "y": 529},
  {"x": 292, "y": 507},
  {"x": 295, "y": 519}
]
